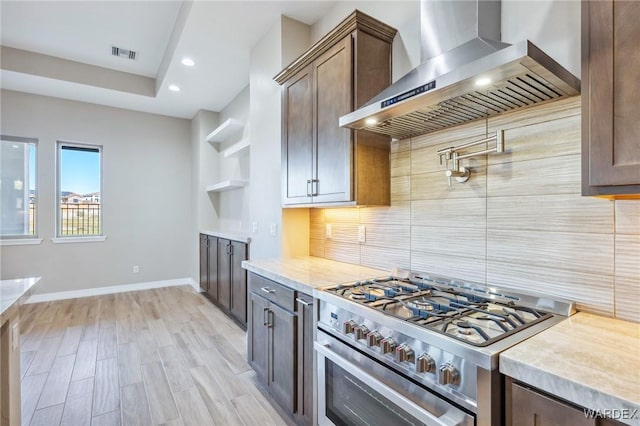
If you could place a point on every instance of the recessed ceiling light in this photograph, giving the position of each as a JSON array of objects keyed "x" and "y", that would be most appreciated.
[
  {"x": 188, "y": 62},
  {"x": 174, "y": 88},
  {"x": 370, "y": 121},
  {"x": 483, "y": 81}
]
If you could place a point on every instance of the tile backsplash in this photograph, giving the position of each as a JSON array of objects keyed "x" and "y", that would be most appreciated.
[{"x": 519, "y": 221}]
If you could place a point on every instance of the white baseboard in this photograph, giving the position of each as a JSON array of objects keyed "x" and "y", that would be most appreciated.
[{"x": 98, "y": 291}]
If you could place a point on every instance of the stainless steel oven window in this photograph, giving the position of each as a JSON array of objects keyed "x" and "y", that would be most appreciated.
[
  {"x": 353, "y": 389},
  {"x": 351, "y": 402}
]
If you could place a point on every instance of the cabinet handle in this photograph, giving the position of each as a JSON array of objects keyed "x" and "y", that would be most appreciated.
[
  {"x": 304, "y": 302},
  {"x": 269, "y": 316},
  {"x": 267, "y": 290},
  {"x": 314, "y": 192},
  {"x": 265, "y": 319},
  {"x": 309, "y": 189}
]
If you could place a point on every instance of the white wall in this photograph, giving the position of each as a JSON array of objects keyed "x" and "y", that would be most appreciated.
[
  {"x": 286, "y": 40},
  {"x": 233, "y": 206},
  {"x": 146, "y": 192},
  {"x": 552, "y": 25},
  {"x": 204, "y": 171}
]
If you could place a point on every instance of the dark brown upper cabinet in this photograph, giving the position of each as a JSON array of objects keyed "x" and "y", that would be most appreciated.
[
  {"x": 322, "y": 163},
  {"x": 610, "y": 93}
]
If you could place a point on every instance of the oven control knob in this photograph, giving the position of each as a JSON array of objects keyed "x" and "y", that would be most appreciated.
[
  {"x": 404, "y": 354},
  {"x": 448, "y": 375},
  {"x": 373, "y": 338},
  {"x": 387, "y": 345},
  {"x": 361, "y": 331},
  {"x": 348, "y": 327},
  {"x": 425, "y": 364}
]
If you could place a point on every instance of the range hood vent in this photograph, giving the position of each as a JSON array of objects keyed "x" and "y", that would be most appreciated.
[{"x": 466, "y": 75}]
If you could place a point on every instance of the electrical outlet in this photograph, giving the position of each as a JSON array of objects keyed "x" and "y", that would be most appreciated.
[
  {"x": 273, "y": 229},
  {"x": 136, "y": 269},
  {"x": 327, "y": 231},
  {"x": 362, "y": 234},
  {"x": 254, "y": 227},
  {"x": 15, "y": 337}
]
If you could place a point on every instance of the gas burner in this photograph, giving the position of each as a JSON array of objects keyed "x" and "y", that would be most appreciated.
[
  {"x": 464, "y": 311},
  {"x": 357, "y": 295},
  {"x": 422, "y": 305},
  {"x": 464, "y": 328}
]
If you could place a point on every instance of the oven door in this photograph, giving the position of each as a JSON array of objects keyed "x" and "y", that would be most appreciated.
[{"x": 354, "y": 389}]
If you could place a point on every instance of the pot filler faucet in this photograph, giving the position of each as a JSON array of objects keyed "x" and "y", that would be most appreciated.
[{"x": 452, "y": 154}]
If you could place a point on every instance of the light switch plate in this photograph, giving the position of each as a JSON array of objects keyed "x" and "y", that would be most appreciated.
[
  {"x": 327, "y": 231},
  {"x": 362, "y": 234},
  {"x": 273, "y": 229}
]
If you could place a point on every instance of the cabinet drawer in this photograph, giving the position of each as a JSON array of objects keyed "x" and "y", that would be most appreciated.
[{"x": 274, "y": 292}]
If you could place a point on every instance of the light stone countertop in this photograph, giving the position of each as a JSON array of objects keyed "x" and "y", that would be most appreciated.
[
  {"x": 309, "y": 273},
  {"x": 235, "y": 236},
  {"x": 590, "y": 360},
  {"x": 13, "y": 293}
]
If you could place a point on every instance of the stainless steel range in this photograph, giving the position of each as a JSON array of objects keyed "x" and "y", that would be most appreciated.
[{"x": 416, "y": 349}]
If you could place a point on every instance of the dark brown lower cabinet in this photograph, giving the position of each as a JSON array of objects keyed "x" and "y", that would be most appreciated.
[
  {"x": 280, "y": 345},
  {"x": 305, "y": 306},
  {"x": 528, "y": 407},
  {"x": 221, "y": 274},
  {"x": 238, "y": 280},
  {"x": 209, "y": 265}
]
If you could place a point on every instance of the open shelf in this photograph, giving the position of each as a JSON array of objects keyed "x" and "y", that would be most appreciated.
[
  {"x": 237, "y": 148},
  {"x": 227, "y": 185},
  {"x": 227, "y": 129}
]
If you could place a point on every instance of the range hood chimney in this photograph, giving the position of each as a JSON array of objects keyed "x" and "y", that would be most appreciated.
[{"x": 466, "y": 74}]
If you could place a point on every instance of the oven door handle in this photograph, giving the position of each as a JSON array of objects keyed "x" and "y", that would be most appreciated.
[{"x": 398, "y": 399}]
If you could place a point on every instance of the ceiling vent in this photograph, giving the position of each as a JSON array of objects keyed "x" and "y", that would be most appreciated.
[{"x": 123, "y": 53}]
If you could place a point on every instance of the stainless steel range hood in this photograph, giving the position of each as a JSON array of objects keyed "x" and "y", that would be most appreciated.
[{"x": 466, "y": 74}]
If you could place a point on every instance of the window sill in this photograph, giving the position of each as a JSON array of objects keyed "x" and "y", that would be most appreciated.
[
  {"x": 92, "y": 239},
  {"x": 20, "y": 241}
]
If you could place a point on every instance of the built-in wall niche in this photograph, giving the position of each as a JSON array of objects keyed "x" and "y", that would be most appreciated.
[{"x": 230, "y": 130}]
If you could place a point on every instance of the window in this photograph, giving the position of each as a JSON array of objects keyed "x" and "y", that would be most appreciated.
[
  {"x": 79, "y": 189},
  {"x": 17, "y": 187}
]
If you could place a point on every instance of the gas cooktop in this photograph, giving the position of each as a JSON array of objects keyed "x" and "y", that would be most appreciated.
[{"x": 464, "y": 311}]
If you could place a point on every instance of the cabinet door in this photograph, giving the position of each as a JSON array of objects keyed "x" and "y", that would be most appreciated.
[
  {"x": 305, "y": 310},
  {"x": 610, "y": 95},
  {"x": 530, "y": 408},
  {"x": 204, "y": 262},
  {"x": 282, "y": 356},
  {"x": 212, "y": 262},
  {"x": 224, "y": 272},
  {"x": 258, "y": 336},
  {"x": 333, "y": 144},
  {"x": 238, "y": 281},
  {"x": 297, "y": 138}
]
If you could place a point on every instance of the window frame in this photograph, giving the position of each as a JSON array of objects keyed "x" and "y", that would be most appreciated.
[
  {"x": 25, "y": 239},
  {"x": 58, "y": 192}
]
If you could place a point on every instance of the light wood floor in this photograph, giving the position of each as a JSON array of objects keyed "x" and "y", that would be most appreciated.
[{"x": 166, "y": 356}]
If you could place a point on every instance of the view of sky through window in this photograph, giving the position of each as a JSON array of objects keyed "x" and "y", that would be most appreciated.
[{"x": 80, "y": 171}]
